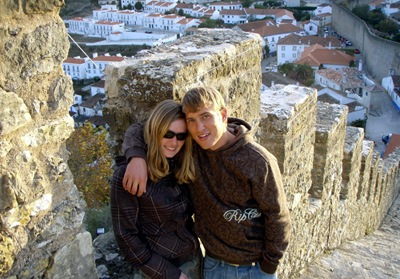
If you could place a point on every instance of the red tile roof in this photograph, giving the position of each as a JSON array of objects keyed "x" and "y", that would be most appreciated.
[{"x": 393, "y": 143}]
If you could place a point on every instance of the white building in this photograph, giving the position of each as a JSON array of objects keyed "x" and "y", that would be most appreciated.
[
  {"x": 75, "y": 67},
  {"x": 356, "y": 110},
  {"x": 159, "y": 7},
  {"x": 99, "y": 63},
  {"x": 323, "y": 9},
  {"x": 391, "y": 84},
  {"x": 233, "y": 16},
  {"x": 290, "y": 48},
  {"x": 219, "y": 6}
]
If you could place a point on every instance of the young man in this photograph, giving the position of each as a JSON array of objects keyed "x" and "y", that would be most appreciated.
[{"x": 241, "y": 215}]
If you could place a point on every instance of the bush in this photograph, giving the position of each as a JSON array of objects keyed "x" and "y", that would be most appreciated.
[{"x": 98, "y": 218}]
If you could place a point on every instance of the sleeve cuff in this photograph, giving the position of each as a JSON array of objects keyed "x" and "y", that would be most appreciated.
[
  {"x": 268, "y": 267},
  {"x": 135, "y": 152}
]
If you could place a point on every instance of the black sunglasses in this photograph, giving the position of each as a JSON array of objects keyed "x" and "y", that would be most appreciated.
[{"x": 179, "y": 136}]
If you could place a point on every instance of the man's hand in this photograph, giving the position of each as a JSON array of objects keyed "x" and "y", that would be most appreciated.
[
  {"x": 135, "y": 177},
  {"x": 183, "y": 276}
]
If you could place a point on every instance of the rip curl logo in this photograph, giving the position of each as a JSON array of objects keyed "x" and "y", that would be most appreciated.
[{"x": 239, "y": 215}]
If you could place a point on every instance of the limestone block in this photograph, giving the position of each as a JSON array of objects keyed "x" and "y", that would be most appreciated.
[
  {"x": 329, "y": 144},
  {"x": 79, "y": 254},
  {"x": 14, "y": 113},
  {"x": 53, "y": 132},
  {"x": 351, "y": 163}
]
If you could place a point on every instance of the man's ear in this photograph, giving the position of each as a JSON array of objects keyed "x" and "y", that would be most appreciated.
[{"x": 224, "y": 114}]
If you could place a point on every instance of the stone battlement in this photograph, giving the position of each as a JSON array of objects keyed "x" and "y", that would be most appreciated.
[{"x": 337, "y": 186}]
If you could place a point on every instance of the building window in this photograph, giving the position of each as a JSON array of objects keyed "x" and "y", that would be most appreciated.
[
  {"x": 283, "y": 48},
  {"x": 294, "y": 48}
]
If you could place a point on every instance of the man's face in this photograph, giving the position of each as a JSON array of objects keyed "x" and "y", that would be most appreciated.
[{"x": 207, "y": 127}]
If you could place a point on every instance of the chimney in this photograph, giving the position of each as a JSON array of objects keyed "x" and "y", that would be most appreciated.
[{"x": 95, "y": 55}]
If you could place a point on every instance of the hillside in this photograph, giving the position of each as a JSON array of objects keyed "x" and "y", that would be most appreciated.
[{"x": 75, "y": 8}]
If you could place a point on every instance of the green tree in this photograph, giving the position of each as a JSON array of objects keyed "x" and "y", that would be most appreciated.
[
  {"x": 247, "y": 3},
  {"x": 138, "y": 6},
  {"x": 375, "y": 17},
  {"x": 90, "y": 163},
  {"x": 180, "y": 12},
  {"x": 209, "y": 23},
  {"x": 362, "y": 11},
  {"x": 388, "y": 26},
  {"x": 396, "y": 38}
]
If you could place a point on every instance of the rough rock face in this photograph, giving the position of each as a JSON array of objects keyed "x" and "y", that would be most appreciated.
[{"x": 41, "y": 211}]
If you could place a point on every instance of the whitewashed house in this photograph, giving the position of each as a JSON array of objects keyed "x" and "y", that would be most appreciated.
[
  {"x": 233, "y": 16},
  {"x": 98, "y": 88},
  {"x": 323, "y": 9},
  {"x": 104, "y": 28},
  {"x": 391, "y": 84},
  {"x": 356, "y": 111},
  {"x": 98, "y": 64},
  {"x": 290, "y": 48},
  {"x": 81, "y": 26},
  {"x": 219, "y": 6},
  {"x": 350, "y": 82},
  {"x": 75, "y": 67},
  {"x": 92, "y": 106},
  {"x": 159, "y": 7}
]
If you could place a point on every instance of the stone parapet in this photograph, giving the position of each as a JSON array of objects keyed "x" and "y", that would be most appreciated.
[{"x": 229, "y": 60}]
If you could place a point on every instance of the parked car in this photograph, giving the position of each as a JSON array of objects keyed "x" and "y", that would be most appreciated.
[
  {"x": 148, "y": 32},
  {"x": 357, "y": 51},
  {"x": 348, "y": 43}
]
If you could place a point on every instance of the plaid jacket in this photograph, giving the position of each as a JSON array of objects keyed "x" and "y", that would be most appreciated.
[{"x": 154, "y": 232}]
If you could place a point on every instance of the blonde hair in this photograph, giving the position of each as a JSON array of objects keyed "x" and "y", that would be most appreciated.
[
  {"x": 155, "y": 128},
  {"x": 202, "y": 96}
]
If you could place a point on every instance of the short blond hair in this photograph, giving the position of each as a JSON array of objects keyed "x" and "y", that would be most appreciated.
[{"x": 202, "y": 96}]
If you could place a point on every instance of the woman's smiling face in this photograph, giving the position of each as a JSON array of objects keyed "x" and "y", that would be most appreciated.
[{"x": 171, "y": 147}]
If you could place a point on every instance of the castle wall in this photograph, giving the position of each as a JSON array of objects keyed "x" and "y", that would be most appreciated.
[
  {"x": 337, "y": 187},
  {"x": 382, "y": 54},
  {"x": 41, "y": 211}
]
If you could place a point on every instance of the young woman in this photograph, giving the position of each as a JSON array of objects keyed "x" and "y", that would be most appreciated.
[{"x": 155, "y": 231}]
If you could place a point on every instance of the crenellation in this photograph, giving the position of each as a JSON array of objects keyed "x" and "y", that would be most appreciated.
[{"x": 352, "y": 163}]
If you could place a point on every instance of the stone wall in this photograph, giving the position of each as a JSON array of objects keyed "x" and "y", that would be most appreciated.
[
  {"x": 338, "y": 187},
  {"x": 41, "y": 211},
  {"x": 382, "y": 54}
]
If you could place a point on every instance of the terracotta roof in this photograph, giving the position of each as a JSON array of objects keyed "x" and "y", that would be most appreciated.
[
  {"x": 316, "y": 55},
  {"x": 101, "y": 83},
  {"x": 232, "y": 12},
  {"x": 92, "y": 101},
  {"x": 276, "y": 30},
  {"x": 294, "y": 39},
  {"x": 393, "y": 143},
  {"x": 74, "y": 60},
  {"x": 251, "y": 26},
  {"x": 184, "y": 6},
  {"x": 108, "y": 58},
  {"x": 337, "y": 76}
]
